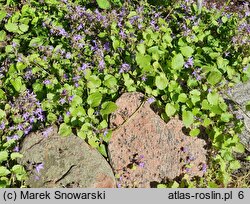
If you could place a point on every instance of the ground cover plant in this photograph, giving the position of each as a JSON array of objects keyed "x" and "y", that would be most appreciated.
[{"x": 65, "y": 62}]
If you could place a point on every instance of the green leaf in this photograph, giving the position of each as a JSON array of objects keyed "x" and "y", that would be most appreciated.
[
  {"x": 195, "y": 96},
  {"x": 3, "y": 13},
  {"x": 110, "y": 81},
  {"x": 116, "y": 44},
  {"x": 141, "y": 48},
  {"x": 161, "y": 186},
  {"x": 35, "y": 42},
  {"x": 78, "y": 111},
  {"x": 213, "y": 98},
  {"x": 214, "y": 77},
  {"x": 94, "y": 82},
  {"x": 94, "y": 99},
  {"x": 3, "y": 156},
  {"x": 182, "y": 98},
  {"x": 102, "y": 150},
  {"x": 108, "y": 107},
  {"x": 224, "y": 19},
  {"x": 239, "y": 148},
  {"x": 51, "y": 117},
  {"x": 175, "y": 185},
  {"x": 234, "y": 165},
  {"x": 93, "y": 142},
  {"x": 15, "y": 155},
  {"x": 2, "y": 114},
  {"x": 103, "y": 4},
  {"x": 20, "y": 66},
  {"x": 177, "y": 61},
  {"x": 65, "y": 130},
  {"x": 170, "y": 109},
  {"x": 17, "y": 83},
  {"x": 24, "y": 27},
  {"x": 187, "y": 118},
  {"x": 194, "y": 132},
  {"x": 4, "y": 171},
  {"x": 19, "y": 171},
  {"x": 77, "y": 100},
  {"x": 2, "y": 94},
  {"x": 225, "y": 117},
  {"x": 144, "y": 61},
  {"x": 247, "y": 158},
  {"x": 12, "y": 27},
  {"x": 187, "y": 51},
  {"x": 2, "y": 35},
  {"x": 161, "y": 81},
  {"x": 248, "y": 106}
]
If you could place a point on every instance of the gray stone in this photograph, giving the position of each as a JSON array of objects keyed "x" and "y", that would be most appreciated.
[
  {"x": 67, "y": 162},
  {"x": 240, "y": 94},
  {"x": 144, "y": 150}
]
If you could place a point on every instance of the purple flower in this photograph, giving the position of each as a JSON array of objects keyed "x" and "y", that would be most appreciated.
[
  {"x": 32, "y": 119},
  {"x": 151, "y": 100},
  {"x": 20, "y": 127},
  {"x": 196, "y": 74},
  {"x": 105, "y": 132},
  {"x": 28, "y": 74},
  {"x": 107, "y": 46},
  {"x": 245, "y": 68},
  {"x": 71, "y": 98},
  {"x": 27, "y": 130},
  {"x": 38, "y": 111},
  {"x": 14, "y": 44},
  {"x": 119, "y": 185},
  {"x": 15, "y": 137},
  {"x": 239, "y": 116},
  {"x": 80, "y": 27},
  {"x": 122, "y": 34},
  {"x": 39, "y": 167},
  {"x": 80, "y": 45},
  {"x": 141, "y": 164},
  {"x": 189, "y": 63},
  {"x": 184, "y": 149},
  {"x": 47, "y": 131},
  {"x": 68, "y": 55},
  {"x": 62, "y": 32},
  {"x": 124, "y": 68},
  {"x": 60, "y": 118},
  {"x": 83, "y": 67},
  {"x": 2, "y": 126},
  {"x": 41, "y": 117},
  {"x": 77, "y": 37},
  {"x": 16, "y": 149},
  {"x": 76, "y": 78},
  {"x": 101, "y": 64},
  {"x": 143, "y": 78},
  {"x": 65, "y": 76},
  {"x": 46, "y": 81},
  {"x": 9, "y": 138},
  {"x": 204, "y": 168},
  {"x": 68, "y": 113},
  {"x": 62, "y": 101}
]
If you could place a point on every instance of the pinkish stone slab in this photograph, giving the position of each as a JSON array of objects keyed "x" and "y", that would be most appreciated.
[{"x": 145, "y": 149}]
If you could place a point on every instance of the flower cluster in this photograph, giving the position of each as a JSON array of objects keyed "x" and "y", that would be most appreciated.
[{"x": 25, "y": 112}]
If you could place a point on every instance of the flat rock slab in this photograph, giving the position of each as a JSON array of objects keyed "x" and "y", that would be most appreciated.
[
  {"x": 55, "y": 161},
  {"x": 144, "y": 150},
  {"x": 241, "y": 95}
]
